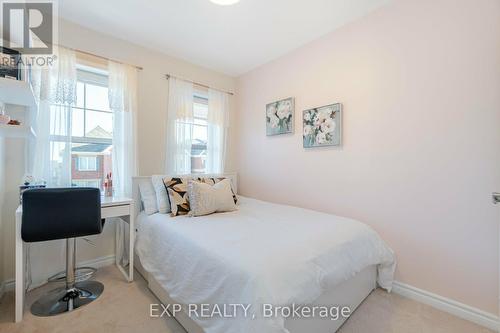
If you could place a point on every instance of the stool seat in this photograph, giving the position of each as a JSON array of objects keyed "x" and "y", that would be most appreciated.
[
  {"x": 63, "y": 213},
  {"x": 59, "y": 213}
]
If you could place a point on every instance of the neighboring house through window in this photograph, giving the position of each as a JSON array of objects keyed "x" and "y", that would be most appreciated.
[
  {"x": 87, "y": 183},
  {"x": 91, "y": 130},
  {"x": 200, "y": 132}
]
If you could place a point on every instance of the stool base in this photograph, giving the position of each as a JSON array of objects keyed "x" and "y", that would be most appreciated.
[{"x": 62, "y": 300}]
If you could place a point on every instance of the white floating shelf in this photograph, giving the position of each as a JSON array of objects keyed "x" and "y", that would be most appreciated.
[
  {"x": 16, "y": 92},
  {"x": 15, "y": 131}
]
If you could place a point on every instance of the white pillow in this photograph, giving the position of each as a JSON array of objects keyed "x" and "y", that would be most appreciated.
[
  {"x": 148, "y": 197},
  {"x": 206, "y": 199},
  {"x": 161, "y": 194}
]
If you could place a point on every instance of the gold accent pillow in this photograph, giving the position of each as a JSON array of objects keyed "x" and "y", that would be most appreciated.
[{"x": 177, "y": 195}]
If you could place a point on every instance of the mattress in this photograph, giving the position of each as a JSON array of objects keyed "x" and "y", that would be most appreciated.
[{"x": 261, "y": 254}]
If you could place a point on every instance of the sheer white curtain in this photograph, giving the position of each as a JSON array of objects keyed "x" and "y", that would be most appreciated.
[
  {"x": 122, "y": 94},
  {"x": 218, "y": 123},
  {"x": 55, "y": 91},
  {"x": 179, "y": 127}
]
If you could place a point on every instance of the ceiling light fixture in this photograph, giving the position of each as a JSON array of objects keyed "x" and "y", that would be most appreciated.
[{"x": 225, "y": 2}]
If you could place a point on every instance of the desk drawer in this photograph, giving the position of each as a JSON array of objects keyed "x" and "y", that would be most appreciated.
[{"x": 115, "y": 211}]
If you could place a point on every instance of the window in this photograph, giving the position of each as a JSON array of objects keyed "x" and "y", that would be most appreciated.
[
  {"x": 91, "y": 131},
  {"x": 197, "y": 129},
  {"x": 87, "y": 163},
  {"x": 200, "y": 133}
]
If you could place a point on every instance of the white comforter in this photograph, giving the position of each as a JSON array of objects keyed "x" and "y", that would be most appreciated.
[{"x": 262, "y": 253}]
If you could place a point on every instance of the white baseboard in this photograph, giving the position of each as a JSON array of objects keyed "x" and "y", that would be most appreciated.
[
  {"x": 455, "y": 308},
  {"x": 99, "y": 262},
  {"x": 9, "y": 285}
]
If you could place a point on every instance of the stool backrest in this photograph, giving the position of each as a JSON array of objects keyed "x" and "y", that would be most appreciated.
[{"x": 58, "y": 213}]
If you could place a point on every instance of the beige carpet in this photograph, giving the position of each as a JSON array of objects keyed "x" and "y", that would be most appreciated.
[{"x": 124, "y": 307}]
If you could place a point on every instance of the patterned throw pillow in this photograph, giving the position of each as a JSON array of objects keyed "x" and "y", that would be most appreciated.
[
  {"x": 213, "y": 181},
  {"x": 177, "y": 195}
]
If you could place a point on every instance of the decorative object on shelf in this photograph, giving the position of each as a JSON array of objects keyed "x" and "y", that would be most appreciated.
[
  {"x": 322, "y": 126},
  {"x": 29, "y": 183},
  {"x": 108, "y": 185},
  {"x": 14, "y": 122},
  {"x": 28, "y": 179},
  {"x": 9, "y": 60},
  {"x": 279, "y": 117}
]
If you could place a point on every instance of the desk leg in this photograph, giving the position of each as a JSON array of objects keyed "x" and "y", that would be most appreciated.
[
  {"x": 131, "y": 233},
  {"x": 19, "y": 306},
  {"x": 130, "y": 220},
  {"x": 117, "y": 243}
]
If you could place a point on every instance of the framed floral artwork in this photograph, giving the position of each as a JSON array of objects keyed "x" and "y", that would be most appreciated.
[
  {"x": 279, "y": 117},
  {"x": 322, "y": 126}
]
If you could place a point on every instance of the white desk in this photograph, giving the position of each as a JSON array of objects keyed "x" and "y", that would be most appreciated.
[{"x": 110, "y": 207}]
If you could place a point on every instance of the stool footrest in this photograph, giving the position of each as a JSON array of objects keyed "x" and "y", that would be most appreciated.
[{"x": 82, "y": 274}]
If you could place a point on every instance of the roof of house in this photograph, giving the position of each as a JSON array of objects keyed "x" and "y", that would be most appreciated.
[
  {"x": 199, "y": 147},
  {"x": 199, "y": 142},
  {"x": 96, "y": 132},
  {"x": 99, "y": 132}
]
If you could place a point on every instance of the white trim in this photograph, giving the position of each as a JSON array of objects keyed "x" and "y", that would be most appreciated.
[
  {"x": 84, "y": 182},
  {"x": 99, "y": 262},
  {"x": 458, "y": 309},
  {"x": 87, "y": 159},
  {"x": 9, "y": 285}
]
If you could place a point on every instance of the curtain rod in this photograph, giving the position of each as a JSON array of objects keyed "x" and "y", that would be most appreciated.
[
  {"x": 101, "y": 57},
  {"x": 198, "y": 84}
]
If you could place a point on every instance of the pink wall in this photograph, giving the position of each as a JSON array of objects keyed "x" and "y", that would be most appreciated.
[{"x": 420, "y": 86}]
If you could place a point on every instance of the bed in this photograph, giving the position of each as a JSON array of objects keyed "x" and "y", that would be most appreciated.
[{"x": 264, "y": 256}]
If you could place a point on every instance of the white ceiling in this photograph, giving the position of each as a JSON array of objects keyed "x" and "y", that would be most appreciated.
[{"x": 229, "y": 39}]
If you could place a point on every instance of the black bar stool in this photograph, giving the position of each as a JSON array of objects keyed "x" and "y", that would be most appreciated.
[{"x": 63, "y": 213}]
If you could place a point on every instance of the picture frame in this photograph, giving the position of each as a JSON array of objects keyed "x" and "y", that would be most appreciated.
[
  {"x": 322, "y": 126},
  {"x": 280, "y": 117}
]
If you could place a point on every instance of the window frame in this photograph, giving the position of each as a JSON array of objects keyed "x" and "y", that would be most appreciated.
[
  {"x": 200, "y": 97},
  {"x": 86, "y": 180},
  {"x": 201, "y": 101},
  {"x": 87, "y": 75},
  {"x": 87, "y": 158}
]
